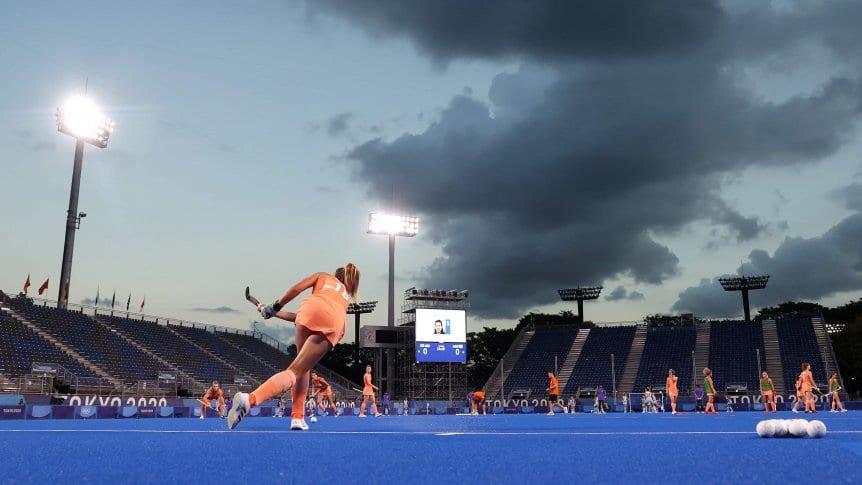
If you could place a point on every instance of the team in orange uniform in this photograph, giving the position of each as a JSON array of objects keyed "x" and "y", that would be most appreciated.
[
  {"x": 368, "y": 394},
  {"x": 322, "y": 389},
  {"x": 806, "y": 387},
  {"x": 477, "y": 399},
  {"x": 553, "y": 393},
  {"x": 214, "y": 393},
  {"x": 799, "y": 396},
  {"x": 672, "y": 391},
  {"x": 320, "y": 323}
]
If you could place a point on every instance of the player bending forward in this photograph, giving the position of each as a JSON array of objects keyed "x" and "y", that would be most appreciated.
[
  {"x": 320, "y": 323},
  {"x": 214, "y": 393},
  {"x": 477, "y": 398},
  {"x": 323, "y": 389}
]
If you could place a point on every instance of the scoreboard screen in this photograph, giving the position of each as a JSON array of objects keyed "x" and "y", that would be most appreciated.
[{"x": 441, "y": 335}]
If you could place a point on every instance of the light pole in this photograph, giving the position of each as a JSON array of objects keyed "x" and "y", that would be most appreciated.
[
  {"x": 744, "y": 284},
  {"x": 357, "y": 309},
  {"x": 580, "y": 294},
  {"x": 392, "y": 225},
  {"x": 80, "y": 118}
]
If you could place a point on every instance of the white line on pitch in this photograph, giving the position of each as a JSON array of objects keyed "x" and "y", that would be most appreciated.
[{"x": 435, "y": 433}]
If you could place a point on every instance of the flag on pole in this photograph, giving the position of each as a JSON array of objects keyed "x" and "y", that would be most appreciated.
[
  {"x": 128, "y": 302},
  {"x": 27, "y": 284},
  {"x": 44, "y": 286},
  {"x": 113, "y": 299},
  {"x": 142, "y": 303},
  {"x": 97, "y": 297}
]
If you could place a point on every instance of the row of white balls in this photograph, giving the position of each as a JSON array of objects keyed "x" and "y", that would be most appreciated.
[{"x": 793, "y": 428}]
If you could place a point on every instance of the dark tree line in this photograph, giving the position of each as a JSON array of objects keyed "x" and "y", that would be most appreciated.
[{"x": 486, "y": 347}]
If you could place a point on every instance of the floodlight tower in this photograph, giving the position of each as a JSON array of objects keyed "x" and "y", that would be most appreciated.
[
  {"x": 80, "y": 118},
  {"x": 580, "y": 294},
  {"x": 744, "y": 284},
  {"x": 357, "y": 309},
  {"x": 392, "y": 225}
]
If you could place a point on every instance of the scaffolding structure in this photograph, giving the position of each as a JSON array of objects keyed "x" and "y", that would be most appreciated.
[{"x": 429, "y": 381}]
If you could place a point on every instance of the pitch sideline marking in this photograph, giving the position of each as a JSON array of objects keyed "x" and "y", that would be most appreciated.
[{"x": 434, "y": 433}]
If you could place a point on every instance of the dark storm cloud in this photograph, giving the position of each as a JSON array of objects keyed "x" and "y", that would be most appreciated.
[
  {"x": 620, "y": 293},
  {"x": 599, "y": 142},
  {"x": 220, "y": 309},
  {"x": 339, "y": 124},
  {"x": 446, "y": 29},
  {"x": 800, "y": 268}
]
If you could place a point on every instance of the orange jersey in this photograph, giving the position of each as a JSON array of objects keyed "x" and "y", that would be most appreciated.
[
  {"x": 478, "y": 396},
  {"x": 368, "y": 389},
  {"x": 806, "y": 381},
  {"x": 320, "y": 384},
  {"x": 213, "y": 394},
  {"x": 325, "y": 310},
  {"x": 554, "y": 387},
  {"x": 671, "y": 385}
]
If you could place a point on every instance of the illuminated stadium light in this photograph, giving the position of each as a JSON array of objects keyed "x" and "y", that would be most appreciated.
[
  {"x": 743, "y": 284},
  {"x": 580, "y": 294},
  {"x": 79, "y": 117},
  {"x": 392, "y": 224}
]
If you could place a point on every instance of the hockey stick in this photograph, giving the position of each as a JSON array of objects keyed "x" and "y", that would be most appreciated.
[{"x": 254, "y": 301}]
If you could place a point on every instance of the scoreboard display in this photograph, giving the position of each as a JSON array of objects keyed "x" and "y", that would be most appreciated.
[{"x": 441, "y": 335}]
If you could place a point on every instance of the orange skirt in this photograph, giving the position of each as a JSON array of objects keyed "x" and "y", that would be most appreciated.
[{"x": 318, "y": 317}]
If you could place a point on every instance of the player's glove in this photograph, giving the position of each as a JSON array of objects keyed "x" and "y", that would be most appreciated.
[{"x": 269, "y": 311}]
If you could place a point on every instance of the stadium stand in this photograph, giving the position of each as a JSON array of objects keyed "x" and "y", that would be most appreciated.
[
  {"x": 277, "y": 359},
  {"x": 20, "y": 347},
  {"x": 593, "y": 367},
  {"x": 95, "y": 343},
  {"x": 160, "y": 340},
  {"x": 733, "y": 349},
  {"x": 531, "y": 370},
  {"x": 212, "y": 343},
  {"x": 117, "y": 351},
  {"x": 667, "y": 347},
  {"x": 799, "y": 344}
]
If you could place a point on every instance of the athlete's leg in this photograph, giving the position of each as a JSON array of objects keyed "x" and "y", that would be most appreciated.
[
  {"x": 221, "y": 406},
  {"x": 374, "y": 405},
  {"x": 331, "y": 398},
  {"x": 314, "y": 348},
  {"x": 363, "y": 405}
]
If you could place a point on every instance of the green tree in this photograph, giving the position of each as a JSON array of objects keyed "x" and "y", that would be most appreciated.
[{"x": 848, "y": 352}]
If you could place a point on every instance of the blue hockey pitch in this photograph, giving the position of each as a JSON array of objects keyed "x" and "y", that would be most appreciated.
[{"x": 430, "y": 449}]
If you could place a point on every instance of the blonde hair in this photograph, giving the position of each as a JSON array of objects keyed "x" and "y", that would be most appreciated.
[{"x": 349, "y": 275}]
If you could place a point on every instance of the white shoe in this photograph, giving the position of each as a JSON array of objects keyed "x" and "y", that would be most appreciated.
[
  {"x": 313, "y": 419},
  {"x": 363, "y": 416},
  {"x": 795, "y": 411},
  {"x": 550, "y": 413},
  {"x": 377, "y": 415},
  {"x": 202, "y": 416},
  {"x": 298, "y": 425},
  {"x": 238, "y": 409}
]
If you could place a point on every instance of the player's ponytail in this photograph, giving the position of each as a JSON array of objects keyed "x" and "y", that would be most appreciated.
[{"x": 349, "y": 276}]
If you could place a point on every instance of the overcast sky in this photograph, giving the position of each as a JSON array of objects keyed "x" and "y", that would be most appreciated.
[{"x": 646, "y": 147}]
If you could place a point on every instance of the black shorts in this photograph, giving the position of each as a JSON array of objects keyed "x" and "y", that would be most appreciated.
[{"x": 553, "y": 397}]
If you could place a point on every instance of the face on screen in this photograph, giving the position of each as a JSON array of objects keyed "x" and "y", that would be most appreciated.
[{"x": 440, "y": 325}]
